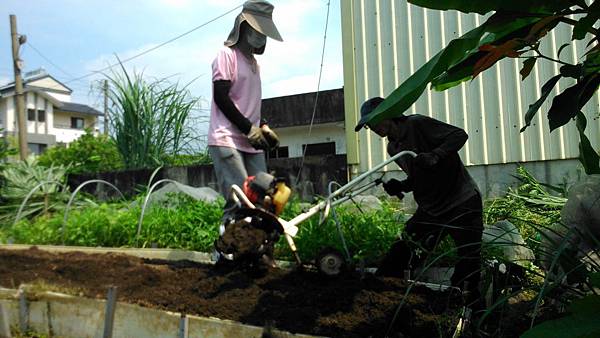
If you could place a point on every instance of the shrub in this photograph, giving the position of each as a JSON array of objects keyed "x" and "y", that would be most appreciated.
[{"x": 87, "y": 154}]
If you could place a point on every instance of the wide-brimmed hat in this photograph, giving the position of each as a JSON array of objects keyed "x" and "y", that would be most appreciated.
[
  {"x": 365, "y": 111},
  {"x": 259, "y": 15}
]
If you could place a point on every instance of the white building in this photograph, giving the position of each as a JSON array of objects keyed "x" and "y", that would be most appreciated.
[
  {"x": 291, "y": 117},
  {"x": 51, "y": 116}
]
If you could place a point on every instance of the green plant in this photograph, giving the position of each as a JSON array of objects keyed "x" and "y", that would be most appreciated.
[
  {"x": 148, "y": 119},
  {"x": 87, "y": 154},
  {"x": 184, "y": 224},
  {"x": 45, "y": 187},
  {"x": 515, "y": 29},
  {"x": 368, "y": 235},
  {"x": 531, "y": 207},
  {"x": 5, "y": 151}
]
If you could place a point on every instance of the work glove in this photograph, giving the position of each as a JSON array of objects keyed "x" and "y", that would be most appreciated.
[
  {"x": 427, "y": 160},
  {"x": 270, "y": 136},
  {"x": 394, "y": 187},
  {"x": 257, "y": 138}
]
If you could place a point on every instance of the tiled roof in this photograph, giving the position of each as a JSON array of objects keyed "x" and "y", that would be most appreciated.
[{"x": 79, "y": 108}]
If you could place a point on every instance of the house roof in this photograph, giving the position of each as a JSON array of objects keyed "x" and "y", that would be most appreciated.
[
  {"x": 29, "y": 82},
  {"x": 71, "y": 107},
  {"x": 297, "y": 110},
  {"x": 55, "y": 102}
]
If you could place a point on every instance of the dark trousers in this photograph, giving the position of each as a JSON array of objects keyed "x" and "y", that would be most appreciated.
[{"x": 423, "y": 232}]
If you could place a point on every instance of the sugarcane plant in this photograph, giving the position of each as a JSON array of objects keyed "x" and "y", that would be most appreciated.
[
  {"x": 148, "y": 118},
  {"x": 514, "y": 29}
]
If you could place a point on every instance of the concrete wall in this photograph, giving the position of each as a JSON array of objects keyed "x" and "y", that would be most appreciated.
[
  {"x": 494, "y": 180},
  {"x": 60, "y": 315},
  {"x": 316, "y": 174}
]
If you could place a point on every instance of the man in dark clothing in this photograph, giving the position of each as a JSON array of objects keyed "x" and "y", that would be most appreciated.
[{"x": 449, "y": 202}]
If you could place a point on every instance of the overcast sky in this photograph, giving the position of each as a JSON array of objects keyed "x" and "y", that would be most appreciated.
[{"x": 79, "y": 37}]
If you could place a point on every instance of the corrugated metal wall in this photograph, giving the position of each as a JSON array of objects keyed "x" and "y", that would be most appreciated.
[{"x": 385, "y": 41}]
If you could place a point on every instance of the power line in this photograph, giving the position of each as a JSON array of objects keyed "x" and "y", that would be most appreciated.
[
  {"x": 80, "y": 78},
  {"x": 312, "y": 119},
  {"x": 155, "y": 47},
  {"x": 48, "y": 60}
]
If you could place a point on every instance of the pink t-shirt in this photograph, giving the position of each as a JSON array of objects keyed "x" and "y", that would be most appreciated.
[{"x": 230, "y": 64}]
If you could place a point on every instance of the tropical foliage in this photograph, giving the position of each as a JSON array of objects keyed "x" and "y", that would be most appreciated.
[
  {"x": 514, "y": 30},
  {"x": 45, "y": 188}
]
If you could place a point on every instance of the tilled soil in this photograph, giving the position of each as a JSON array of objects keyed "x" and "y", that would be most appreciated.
[{"x": 292, "y": 300}]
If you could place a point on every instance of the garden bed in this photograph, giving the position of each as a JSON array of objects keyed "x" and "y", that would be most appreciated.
[{"x": 291, "y": 300}]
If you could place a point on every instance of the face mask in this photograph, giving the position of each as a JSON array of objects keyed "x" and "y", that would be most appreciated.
[{"x": 256, "y": 39}]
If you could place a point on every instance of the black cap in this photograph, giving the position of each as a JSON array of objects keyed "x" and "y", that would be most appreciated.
[{"x": 366, "y": 109}]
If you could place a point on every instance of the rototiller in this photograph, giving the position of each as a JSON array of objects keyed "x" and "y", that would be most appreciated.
[{"x": 256, "y": 227}]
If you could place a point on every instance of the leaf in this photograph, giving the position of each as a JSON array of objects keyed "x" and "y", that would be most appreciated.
[
  {"x": 590, "y": 161},
  {"x": 595, "y": 279},
  {"x": 533, "y": 108},
  {"x": 458, "y": 50},
  {"x": 582, "y": 322},
  {"x": 586, "y": 305},
  {"x": 592, "y": 61},
  {"x": 584, "y": 24},
  {"x": 527, "y": 67},
  {"x": 561, "y": 49},
  {"x": 501, "y": 26},
  {"x": 495, "y": 53},
  {"x": 410, "y": 90},
  {"x": 483, "y": 7},
  {"x": 567, "y": 104},
  {"x": 573, "y": 71},
  {"x": 542, "y": 27}
]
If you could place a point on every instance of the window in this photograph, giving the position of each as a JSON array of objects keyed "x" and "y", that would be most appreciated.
[
  {"x": 281, "y": 152},
  {"x": 37, "y": 148},
  {"x": 76, "y": 123},
  {"x": 30, "y": 114},
  {"x": 326, "y": 148}
]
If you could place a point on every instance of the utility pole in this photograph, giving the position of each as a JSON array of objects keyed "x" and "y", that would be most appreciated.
[
  {"x": 17, "y": 41},
  {"x": 105, "y": 107}
]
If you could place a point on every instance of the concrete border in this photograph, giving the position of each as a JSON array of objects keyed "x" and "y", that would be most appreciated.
[
  {"x": 57, "y": 314},
  {"x": 167, "y": 254}
]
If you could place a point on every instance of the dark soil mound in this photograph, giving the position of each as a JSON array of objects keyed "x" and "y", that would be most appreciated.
[{"x": 291, "y": 300}]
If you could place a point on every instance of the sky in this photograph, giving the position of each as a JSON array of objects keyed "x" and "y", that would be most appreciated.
[{"x": 73, "y": 38}]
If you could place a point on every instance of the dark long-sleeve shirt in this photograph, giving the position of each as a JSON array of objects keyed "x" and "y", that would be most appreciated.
[{"x": 445, "y": 185}]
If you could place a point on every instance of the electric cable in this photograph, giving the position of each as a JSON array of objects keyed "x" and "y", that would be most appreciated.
[
  {"x": 312, "y": 119},
  {"x": 48, "y": 60},
  {"x": 155, "y": 47},
  {"x": 79, "y": 78}
]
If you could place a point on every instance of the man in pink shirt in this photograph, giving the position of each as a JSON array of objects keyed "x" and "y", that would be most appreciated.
[{"x": 236, "y": 138}]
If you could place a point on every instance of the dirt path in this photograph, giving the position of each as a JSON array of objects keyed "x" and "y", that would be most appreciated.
[{"x": 296, "y": 301}]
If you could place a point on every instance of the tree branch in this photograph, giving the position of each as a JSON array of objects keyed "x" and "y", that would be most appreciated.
[{"x": 540, "y": 55}]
